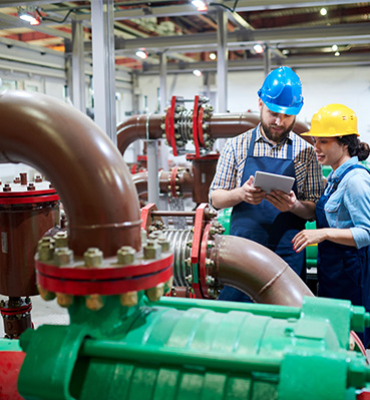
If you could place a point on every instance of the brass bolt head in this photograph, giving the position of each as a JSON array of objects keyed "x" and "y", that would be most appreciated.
[
  {"x": 128, "y": 299},
  {"x": 164, "y": 243},
  {"x": 63, "y": 256},
  {"x": 94, "y": 302},
  {"x": 93, "y": 257},
  {"x": 46, "y": 251},
  {"x": 45, "y": 294},
  {"x": 168, "y": 285},
  {"x": 126, "y": 255},
  {"x": 64, "y": 300},
  {"x": 154, "y": 294},
  {"x": 152, "y": 250},
  {"x": 61, "y": 239}
]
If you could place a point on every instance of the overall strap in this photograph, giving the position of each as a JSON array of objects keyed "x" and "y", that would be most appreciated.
[
  {"x": 336, "y": 181},
  {"x": 252, "y": 142}
]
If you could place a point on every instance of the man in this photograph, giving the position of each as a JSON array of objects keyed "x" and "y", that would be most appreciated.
[{"x": 270, "y": 219}]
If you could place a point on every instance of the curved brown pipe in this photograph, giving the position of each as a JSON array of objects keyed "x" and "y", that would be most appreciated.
[
  {"x": 135, "y": 128},
  {"x": 256, "y": 271},
  {"x": 84, "y": 166}
]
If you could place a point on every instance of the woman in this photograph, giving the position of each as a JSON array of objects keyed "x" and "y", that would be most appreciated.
[{"x": 343, "y": 211}]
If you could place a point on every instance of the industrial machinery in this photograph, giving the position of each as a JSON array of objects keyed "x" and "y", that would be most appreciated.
[
  {"x": 124, "y": 340},
  {"x": 27, "y": 211}
]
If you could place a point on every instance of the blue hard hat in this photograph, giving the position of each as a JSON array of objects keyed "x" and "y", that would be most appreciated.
[{"x": 282, "y": 91}]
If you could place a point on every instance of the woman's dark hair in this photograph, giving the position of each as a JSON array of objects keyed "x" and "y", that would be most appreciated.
[{"x": 355, "y": 146}]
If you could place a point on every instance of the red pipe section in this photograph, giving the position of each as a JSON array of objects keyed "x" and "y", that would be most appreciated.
[
  {"x": 256, "y": 271},
  {"x": 84, "y": 166}
]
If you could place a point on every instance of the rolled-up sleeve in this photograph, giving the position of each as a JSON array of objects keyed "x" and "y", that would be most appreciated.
[
  {"x": 226, "y": 171},
  {"x": 314, "y": 182}
]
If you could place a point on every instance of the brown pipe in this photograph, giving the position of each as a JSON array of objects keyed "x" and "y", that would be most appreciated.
[
  {"x": 256, "y": 271},
  {"x": 135, "y": 128},
  {"x": 84, "y": 166},
  {"x": 223, "y": 125}
]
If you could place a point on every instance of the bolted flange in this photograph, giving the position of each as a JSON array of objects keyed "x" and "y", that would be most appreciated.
[
  {"x": 64, "y": 300},
  {"x": 128, "y": 299},
  {"x": 45, "y": 294},
  {"x": 61, "y": 239},
  {"x": 152, "y": 250},
  {"x": 155, "y": 293},
  {"x": 63, "y": 256},
  {"x": 94, "y": 302}
]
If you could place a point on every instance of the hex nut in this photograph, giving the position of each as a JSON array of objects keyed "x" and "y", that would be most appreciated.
[
  {"x": 45, "y": 294},
  {"x": 152, "y": 250},
  {"x": 164, "y": 243},
  {"x": 94, "y": 302},
  {"x": 63, "y": 256},
  {"x": 128, "y": 299},
  {"x": 61, "y": 239},
  {"x": 155, "y": 293},
  {"x": 93, "y": 257},
  {"x": 64, "y": 300},
  {"x": 144, "y": 237},
  {"x": 45, "y": 251},
  {"x": 126, "y": 255}
]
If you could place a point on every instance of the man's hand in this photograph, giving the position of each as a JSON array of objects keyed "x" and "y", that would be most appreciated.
[
  {"x": 306, "y": 237},
  {"x": 282, "y": 201},
  {"x": 251, "y": 194}
]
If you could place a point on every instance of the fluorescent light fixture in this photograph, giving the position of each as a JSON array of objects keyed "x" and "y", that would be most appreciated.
[
  {"x": 141, "y": 53},
  {"x": 337, "y": 54},
  {"x": 212, "y": 56},
  {"x": 323, "y": 11},
  {"x": 334, "y": 47},
  {"x": 258, "y": 48},
  {"x": 285, "y": 52},
  {"x": 197, "y": 72},
  {"x": 200, "y": 5},
  {"x": 29, "y": 15}
]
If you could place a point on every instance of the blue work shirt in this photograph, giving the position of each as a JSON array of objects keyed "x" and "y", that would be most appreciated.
[{"x": 349, "y": 206}]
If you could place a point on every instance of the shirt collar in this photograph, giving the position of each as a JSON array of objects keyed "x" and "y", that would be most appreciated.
[
  {"x": 260, "y": 138},
  {"x": 339, "y": 171}
]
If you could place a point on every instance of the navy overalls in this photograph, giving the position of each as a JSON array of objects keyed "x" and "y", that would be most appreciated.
[
  {"x": 343, "y": 271},
  {"x": 264, "y": 223}
]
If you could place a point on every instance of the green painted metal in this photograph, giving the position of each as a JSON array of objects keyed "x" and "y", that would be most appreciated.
[
  {"x": 224, "y": 218},
  {"x": 203, "y": 350},
  {"x": 9, "y": 345}
]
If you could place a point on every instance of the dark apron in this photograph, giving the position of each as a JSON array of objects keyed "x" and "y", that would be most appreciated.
[
  {"x": 264, "y": 223},
  {"x": 343, "y": 271}
]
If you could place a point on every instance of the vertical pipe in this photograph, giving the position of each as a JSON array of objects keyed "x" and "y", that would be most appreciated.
[
  {"x": 267, "y": 59},
  {"x": 153, "y": 181},
  {"x": 104, "y": 67},
  {"x": 163, "y": 105},
  {"x": 78, "y": 67},
  {"x": 222, "y": 58}
]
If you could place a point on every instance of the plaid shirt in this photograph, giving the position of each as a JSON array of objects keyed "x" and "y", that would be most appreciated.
[{"x": 308, "y": 172}]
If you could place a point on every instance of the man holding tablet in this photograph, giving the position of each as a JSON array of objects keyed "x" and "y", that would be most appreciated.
[{"x": 271, "y": 219}]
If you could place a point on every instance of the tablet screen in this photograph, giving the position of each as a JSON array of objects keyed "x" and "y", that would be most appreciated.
[{"x": 267, "y": 182}]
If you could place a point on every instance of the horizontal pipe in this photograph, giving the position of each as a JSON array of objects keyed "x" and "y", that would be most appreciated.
[{"x": 179, "y": 357}]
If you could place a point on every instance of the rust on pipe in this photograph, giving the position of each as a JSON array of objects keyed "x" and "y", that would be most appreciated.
[
  {"x": 256, "y": 271},
  {"x": 84, "y": 166}
]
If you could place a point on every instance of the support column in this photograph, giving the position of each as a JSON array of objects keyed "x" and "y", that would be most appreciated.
[
  {"x": 104, "y": 66},
  {"x": 267, "y": 58},
  {"x": 78, "y": 67}
]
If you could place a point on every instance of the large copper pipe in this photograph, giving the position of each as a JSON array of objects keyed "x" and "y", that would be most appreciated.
[
  {"x": 84, "y": 166},
  {"x": 257, "y": 271},
  {"x": 223, "y": 125}
]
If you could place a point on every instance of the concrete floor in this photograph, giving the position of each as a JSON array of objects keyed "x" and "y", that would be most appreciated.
[{"x": 43, "y": 312}]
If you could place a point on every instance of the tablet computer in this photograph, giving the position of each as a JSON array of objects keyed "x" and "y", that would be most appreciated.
[{"x": 267, "y": 182}]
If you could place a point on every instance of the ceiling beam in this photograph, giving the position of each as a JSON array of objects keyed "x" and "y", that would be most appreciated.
[{"x": 258, "y": 63}]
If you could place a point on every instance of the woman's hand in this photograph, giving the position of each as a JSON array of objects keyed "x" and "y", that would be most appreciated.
[
  {"x": 306, "y": 237},
  {"x": 282, "y": 201}
]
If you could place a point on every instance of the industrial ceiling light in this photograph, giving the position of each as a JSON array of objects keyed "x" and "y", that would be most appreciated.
[
  {"x": 212, "y": 56},
  {"x": 29, "y": 15},
  {"x": 285, "y": 52},
  {"x": 141, "y": 53},
  {"x": 323, "y": 11},
  {"x": 337, "y": 54},
  {"x": 200, "y": 5},
  {"x": 334, "y": 47},
  {"x": 258, "y": 48},
  {"x": 197, "y": 72}
]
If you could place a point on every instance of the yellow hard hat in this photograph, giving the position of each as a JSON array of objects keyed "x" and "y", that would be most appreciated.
[{"x": 333, "y": 120}]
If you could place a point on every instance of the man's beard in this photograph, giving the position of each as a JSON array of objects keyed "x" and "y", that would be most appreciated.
[{"x": 274, "y": 136}]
